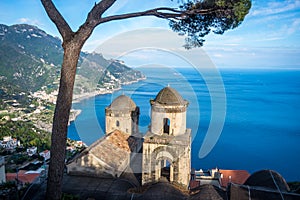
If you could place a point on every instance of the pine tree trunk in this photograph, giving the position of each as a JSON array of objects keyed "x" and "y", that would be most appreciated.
[{"x": 60, "y": 120}]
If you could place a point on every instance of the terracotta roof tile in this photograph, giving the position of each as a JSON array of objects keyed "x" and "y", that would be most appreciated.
[
  {"x": 22, "y": 176},
  {"x": 120, "y": 140},
  {"x": 194, "y": 184},
  {"x": 113, "y": 149},
  {"x": 234, "y": 176}
]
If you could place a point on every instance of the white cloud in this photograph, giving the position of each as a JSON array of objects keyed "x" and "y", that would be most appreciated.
[
  {"x": 231, "y": 44},
  {"x": 116, "y": 7},
  {"x": 272, "y": 38},
  {"x": 217, "y": 55},
  {"x": 276, "y": 8},
  {"x": 290, "y": 27},
  {"x": 294, "y": 27},
  {"x": 249, "y": 56},
  {"x": 138, "y": 39},
  {"x": 29, "y": 21}
]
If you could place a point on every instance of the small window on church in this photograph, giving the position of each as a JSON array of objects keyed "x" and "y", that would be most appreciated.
[
  {"x": 167, "y": 125},
  {"x": 117, "y": 123}
]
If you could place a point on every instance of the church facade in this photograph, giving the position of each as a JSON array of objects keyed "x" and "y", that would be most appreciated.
[
  {"x": 164, "y": 151},
  {"x": 167, "y": 144},
  {"x": 123, "y": 115}
]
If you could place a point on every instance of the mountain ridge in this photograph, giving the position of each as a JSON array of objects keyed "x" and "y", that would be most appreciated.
[
  {"x": 30, "y": 59},
  {"x": 30, "y": 64}
]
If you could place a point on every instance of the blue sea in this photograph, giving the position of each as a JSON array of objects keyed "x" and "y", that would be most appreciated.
[{"x": 251, "y": 117}]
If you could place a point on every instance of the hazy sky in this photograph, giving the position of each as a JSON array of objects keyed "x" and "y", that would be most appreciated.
[{"x": 268, "y": 37}]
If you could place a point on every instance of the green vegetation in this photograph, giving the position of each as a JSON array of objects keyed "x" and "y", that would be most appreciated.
[
  {"x": 27, "y": 133},
  {"x": 7, "y": 185},
  {"x": 30, "y": 60},
  {"x": 9, "y": 190},
  {"x": 18, "y": 159},
  {"x": 70, "y": 197},
  {"x": 77, "y": 149}
]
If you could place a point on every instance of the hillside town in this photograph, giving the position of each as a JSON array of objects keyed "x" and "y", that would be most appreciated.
[{"x": 20, "y": 167}]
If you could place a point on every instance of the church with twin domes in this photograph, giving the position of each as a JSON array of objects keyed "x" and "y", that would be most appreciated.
[{"x": 162, "y": 153}]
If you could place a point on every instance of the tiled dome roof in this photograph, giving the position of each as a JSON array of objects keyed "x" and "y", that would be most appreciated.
[
  {"x": 169, "y": 96},
  {"x": 269, "y": 179},
  {"x": 123, "y": 102}
]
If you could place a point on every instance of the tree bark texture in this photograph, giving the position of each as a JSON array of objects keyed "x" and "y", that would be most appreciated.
[{"x": 60, "y": 121}]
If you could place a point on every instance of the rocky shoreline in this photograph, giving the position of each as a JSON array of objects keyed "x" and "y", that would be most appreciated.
[
  {"x": 79, "y": 97},
  {"x": 73, "y": 114}
]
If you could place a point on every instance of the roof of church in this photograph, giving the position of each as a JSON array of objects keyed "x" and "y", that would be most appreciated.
[
  {"x": 112, "y": 149},
  {"x": 163, "y": 190},
  {"x": 169, "y": 96},
  {"x": 209, "y": 192},
  {"x": 122, "y": 102}
]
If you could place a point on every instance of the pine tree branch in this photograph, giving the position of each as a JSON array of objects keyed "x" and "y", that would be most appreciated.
[{"x": 162, "y": 12}]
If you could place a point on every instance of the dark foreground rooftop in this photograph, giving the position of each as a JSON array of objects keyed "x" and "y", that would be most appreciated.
[
  {"x": 100, "y": 188},
  {"x": 265, "y": 184}
]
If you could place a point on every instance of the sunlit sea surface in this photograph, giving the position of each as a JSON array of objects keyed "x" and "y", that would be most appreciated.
[{"x": 262, "y": 119}]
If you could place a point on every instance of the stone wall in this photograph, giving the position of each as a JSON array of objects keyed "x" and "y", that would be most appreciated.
[
  {"x": 177, "y": 155},
  {"x": 125, "y": 121},
  {"x": 177, "y": 120}
]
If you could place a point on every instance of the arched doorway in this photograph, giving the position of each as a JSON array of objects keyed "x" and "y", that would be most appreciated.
[
  {"x": 164, "y": 164},
  {"x": 165, "y": 172},
  {"x": 164, "y": 169}
]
